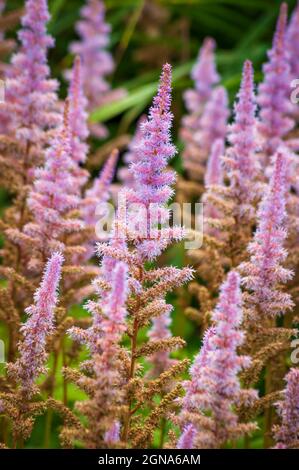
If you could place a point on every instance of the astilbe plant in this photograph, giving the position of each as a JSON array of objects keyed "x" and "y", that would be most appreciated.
[
  {"x": 97, "y": 62},
  {"x": 147, "y": 287},
  {"x": 209, "y": 417}
]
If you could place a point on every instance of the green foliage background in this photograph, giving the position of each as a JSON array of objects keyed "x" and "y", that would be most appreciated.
[{"x": 242, "y": 29}]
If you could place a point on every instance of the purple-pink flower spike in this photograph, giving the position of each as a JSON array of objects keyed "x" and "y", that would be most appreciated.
[
  {"x": 214, "y": 387},
  {"x": 112, "y": 436},
  {"x": 152, "y": 180},
  {"x": 78, "y": 123},
  {"x": 274, "y": 91},
  {"x": 204, "y": 75},
  {"x": 131, "y": 156},
  {"x": 55, "y": 192},
  {"x": 213, "y": 123},
  {"x": 30, "y": 93},
  {"x": 214, "y": 173},
  {"x": 241, "y": 159},
  {"x": 293, "y": 42},
  {"x": 264, "y": 271},
  {"x": 287, "y": 433},
  {"x": 160, "y": 360},
  {"x": 38, "y": 327},
  {"x": 97, "y": 62}
]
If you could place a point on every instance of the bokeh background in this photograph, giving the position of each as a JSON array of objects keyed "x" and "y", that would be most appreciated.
[{"x": 145, "y": 34}]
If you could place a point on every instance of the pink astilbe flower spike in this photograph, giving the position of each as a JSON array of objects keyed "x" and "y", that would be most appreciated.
[
  {"x": 38, "y": 327},
  {"x": 30, "y": 94},
  {"x": 287, "y": 433},
  {"x": 78, "y": 123},
  {"x": 103, "y": 340},
  {"x": 214, "y": 388},
  {"x": 97, "y": 62},
  {"x": 131, "y": 156},
  {"x": 241, "y": 158},
  {"x": 213, "y": 123},
  {"x": 274, "y": 92},
  {"x": 152, "y": 180},
  {"x": 204, "y": 75},
  {"x": 99, "y": 191},
  {"x": 186, "y": 440},
  {"x": 293, "y": 42},
  {"x": 54, "y": 193},
  {"x": 160, "y": 330},
  {"x": 198, "y": 103},
  {"x": 214, "y": 176},
  {"x": 264, "y": 272}
]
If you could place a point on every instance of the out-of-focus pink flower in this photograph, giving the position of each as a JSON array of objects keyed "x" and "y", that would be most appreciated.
[
  {"x": 287, "y": 433},
  {"x": 274, "y": 92}
]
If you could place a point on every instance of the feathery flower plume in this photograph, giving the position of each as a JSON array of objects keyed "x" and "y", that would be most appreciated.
[
  {"x": 204, "y": 75},
  {"x": 274, "y": 92},
  {"x": 131, "y": 156},
  {"x": 54, "y": 194},
  {"x": 264, "y": 272},
  {"x": 78, "y": 123},
  {"x": 30, "y": 93},
  {"x": 37, "y": 328},
  {"x": 241, "y": 159},
  {"x": 213, "y": 176},
  {"x": 97, "y": 62},
  {"x": 293, "y": 42},
  {"x": 287, "y": 433},
  {"x": 204, "y": 106},
  {"x": 214, "y": 389}
]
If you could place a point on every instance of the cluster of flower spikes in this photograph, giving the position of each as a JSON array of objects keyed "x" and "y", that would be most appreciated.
[
  {"x": 274, "y": 92},
  {"x": 209, "y": 417},
  {"x": 97, "y": 62},
  {"x": 229, "y": 210},
  {"x": 18, "y": 403},
  {"x": 287, "y": 433}
]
